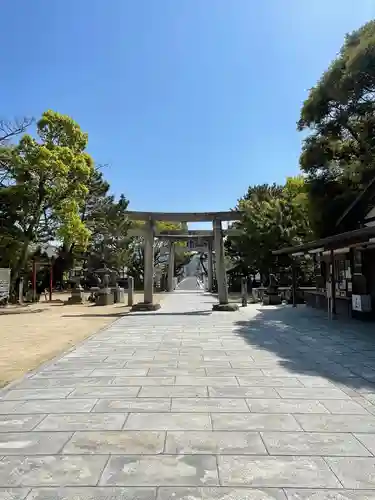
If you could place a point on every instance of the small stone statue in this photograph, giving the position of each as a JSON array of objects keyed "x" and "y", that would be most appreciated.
[{"x": 271, "y": 296}]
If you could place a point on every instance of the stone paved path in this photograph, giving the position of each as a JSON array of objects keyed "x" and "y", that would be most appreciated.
[{"x": 186, "y": 404}]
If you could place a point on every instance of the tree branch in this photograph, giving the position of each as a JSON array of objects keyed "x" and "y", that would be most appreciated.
[{"x": 9, "y": 129}]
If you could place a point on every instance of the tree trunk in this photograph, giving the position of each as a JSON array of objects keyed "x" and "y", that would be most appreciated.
[{"x": 16, "y": 274}]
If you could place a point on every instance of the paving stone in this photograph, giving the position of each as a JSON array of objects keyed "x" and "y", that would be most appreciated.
[
  {"x": 370, "y": 397},
  {"x": 173, "y": 392},
  {"x": 312, "y": 393},
  {"x": 47, "y": 406},
  {"x": 258, "y": 363},
  {"x": 219, "y": 494},
  {"x": 254, "y": 422},
  {"x": 269, "y": 382},
  {"x": 168, "y": 421},
  {"x": 242, "y": 392},
  {"x": 83, "y": 421},
  {"x": 123, "y": 372},
  {"x": 285, "y": 406},
  {"x": 136, "y": 364},
  {"x": 105, "y": 392},
  {"x": 209, "y": 405},
  {"x": 32, "y": 443},
  {"x": 223, "y": 364},
  {"x": 13, "y": 493},
  {"x": 142, "y": 381},
  {"x": 63, "y": 373},
  {"x": 337, "y": 423},
  {"x": 161, "y": 372},
  {"x": 280, "y": 372},
  {"x": 12, "y": 423},
  {"x": 45, "y": 383},
  {"x": 92, "y": 494},
  {"x": 313, "y": 443},
  {"x": 233, "y": 372},
  {"x": 315, "y": 381},
  {"x": 193, "y": 442},
  {"x": 166, "y": 470},
  {"x": 369, "y": 407},
  {"x": 345, "y": 407},
  {"x": 278, "y": 472},
  {"x": 203, "y": 364},
  {"x": 54, "y": 393},
  {"x": 51, "y": 470},
  {"x": 205, "y": 381},
  {"x": 86, "y": 365},
  {"x": 311, "y": 494},
  {"x": 368, "y": 440},
  {"x": 116, "y": 442},
  {"x": 132, "y": 405},
  {"x": 353, "y": 472}
]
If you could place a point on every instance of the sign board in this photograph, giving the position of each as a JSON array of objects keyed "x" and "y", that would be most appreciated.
[
  {"x": 361, "y": 303},
  {"x": 4, "y": 283}
]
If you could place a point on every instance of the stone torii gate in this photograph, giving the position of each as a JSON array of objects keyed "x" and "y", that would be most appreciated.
[
  {"x": 201, "y": 236},
  {"x": 149, "y": 232},
  {"x": 204, "y": 239}
]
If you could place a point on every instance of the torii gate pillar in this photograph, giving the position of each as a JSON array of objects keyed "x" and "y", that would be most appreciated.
[
  {"x": 171, "y": 266},
  {"x": 148, "y": 273},
  {"x": 210, "y": 267},
  {"x": 221, "y": 275}
]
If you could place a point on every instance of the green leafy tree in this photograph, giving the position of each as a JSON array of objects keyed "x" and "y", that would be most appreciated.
[
  {"x": 10, "y": 233},
  {"x": 47, "y": 177},
  {"x": 338, "y": 154},
  {"x": 109, "y": 234},
  {"x": 274, "y": 217}
]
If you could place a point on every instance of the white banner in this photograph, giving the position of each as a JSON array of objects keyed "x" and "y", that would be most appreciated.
[{"x": 4, "y": 282}]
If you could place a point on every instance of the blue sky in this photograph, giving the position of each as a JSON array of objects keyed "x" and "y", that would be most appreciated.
[{"x": 187, "y": 101}]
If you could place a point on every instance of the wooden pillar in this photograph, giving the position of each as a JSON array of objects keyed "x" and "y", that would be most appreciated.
[
  {"x": 333, "y": 284},
  {"x": 50, "y": 279}
]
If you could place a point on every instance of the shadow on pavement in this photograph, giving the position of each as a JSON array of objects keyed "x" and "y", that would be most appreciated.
[{"x": 306, "y": 343}]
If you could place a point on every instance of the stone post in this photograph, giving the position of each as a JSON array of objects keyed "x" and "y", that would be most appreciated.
[
  {"x": 210, "y": 270},
  {"x": 148, "y": 277},
  {"x": 244, "y": 291},
  {"x": 148, "y": 272},
  {"x": 20, "y": 291},
  {"x": 170, "y": 285},
  {"x": 221, "y": 274},
  {"x": 130, "y": 291}
]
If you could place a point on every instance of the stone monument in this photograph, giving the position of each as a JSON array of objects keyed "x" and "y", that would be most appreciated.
[
  {"x": 271, "y": 295},
  {"x": 77, "y": 294},
  {"x": 104, "y": 296}
]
